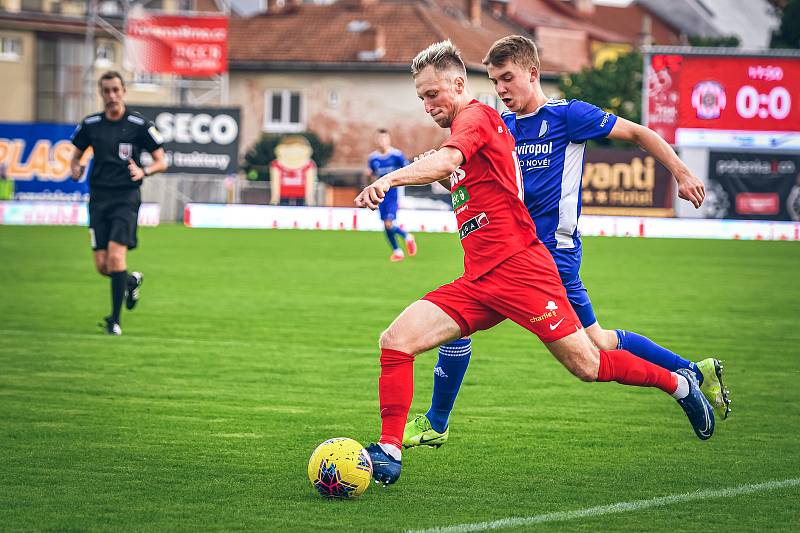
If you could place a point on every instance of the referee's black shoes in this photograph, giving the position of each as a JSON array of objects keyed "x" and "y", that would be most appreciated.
[{"x": 110, "y": 327}]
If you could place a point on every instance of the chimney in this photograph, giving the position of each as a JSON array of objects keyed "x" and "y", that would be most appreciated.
[
  {"x": 499, "y": 8},
  {"x": 275, "y": 5},
  {"x": 474, "y": 11},
  {"x": 379, "y": 41},
  {"x": 584, "y": 7},
  {"x": 355, "y": 5},
  {"x": 376, "y": 38},
  {"x": 646, "y": 35}
]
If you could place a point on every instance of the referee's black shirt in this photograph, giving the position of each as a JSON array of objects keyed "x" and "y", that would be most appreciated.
[{"x": 114, "y": 142}]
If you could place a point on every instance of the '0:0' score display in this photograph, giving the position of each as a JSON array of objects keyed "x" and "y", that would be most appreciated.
[
  {"x": 739, "y": 93},
  {"x": 776, "y": 104}
]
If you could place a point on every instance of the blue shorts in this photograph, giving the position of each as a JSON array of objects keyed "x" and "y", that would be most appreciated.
[
  {"x": 388, "y": 208},
  {"x": 568, "y": 262}
]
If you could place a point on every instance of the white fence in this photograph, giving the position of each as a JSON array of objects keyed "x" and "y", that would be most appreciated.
[
  {"x": 173, "y": 192},
  {"x": 62, "y": 214},
  {"x": 333, "y": 218}
]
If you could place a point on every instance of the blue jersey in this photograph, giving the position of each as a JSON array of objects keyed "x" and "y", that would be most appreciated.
[
  {"x": 381, "y": 164},
  {"x": 550, "y": 146}
]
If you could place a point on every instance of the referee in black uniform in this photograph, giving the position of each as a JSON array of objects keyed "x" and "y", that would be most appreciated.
[{"x": 117, "y": 137}]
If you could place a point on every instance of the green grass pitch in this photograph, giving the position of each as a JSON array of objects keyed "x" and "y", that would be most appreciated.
[{"x": 249, "y": 348}]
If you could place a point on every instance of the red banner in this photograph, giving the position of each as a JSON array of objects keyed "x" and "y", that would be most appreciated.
[
  {"x": 188, "y": 46},
  {"x": 722, "y": 93},
  {"x": 663, "y": 83}
]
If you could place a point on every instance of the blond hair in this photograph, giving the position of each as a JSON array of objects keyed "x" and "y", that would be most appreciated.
[
  {"x": 441, "y": 56},
  {"x": 515, "y": 48}
]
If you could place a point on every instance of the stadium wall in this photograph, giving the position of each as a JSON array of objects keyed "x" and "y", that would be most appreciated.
[{"x": 334, "y": 218}]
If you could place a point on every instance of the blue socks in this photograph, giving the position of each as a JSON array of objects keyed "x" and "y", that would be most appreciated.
[
  {"x": 650, "y": 351},
  {"x": 447, "y": 378},
  {"x": 390, "y": 234}
]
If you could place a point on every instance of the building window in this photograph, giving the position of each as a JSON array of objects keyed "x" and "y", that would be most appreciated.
[
  {"x": 105, "y": 55},
  {"x": 146, "y": 81},
  {"x": 333, "y": 98},
  {"x": 60, "y": 66},
  {"x": 285, "y": 111},
  {"x": 186, "y": 5},
  {"x": 10, "y": 48},
  {"x": 32, "y": 5}
]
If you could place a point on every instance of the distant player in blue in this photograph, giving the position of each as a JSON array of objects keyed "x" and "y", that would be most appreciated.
[
  {"x": 550, "y": 137},
  {"x": 382, "y": 161}
]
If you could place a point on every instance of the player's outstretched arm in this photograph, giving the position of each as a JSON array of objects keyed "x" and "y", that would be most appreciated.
[
  {"x": 434, "y": 167},
  {"x": 444, "y": 182},
  {"x": 690, "y": 188}
]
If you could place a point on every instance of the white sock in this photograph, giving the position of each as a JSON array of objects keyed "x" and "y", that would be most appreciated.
[
  {"x": 392, "y": 451},
  {"x": 683, "y": 387}
]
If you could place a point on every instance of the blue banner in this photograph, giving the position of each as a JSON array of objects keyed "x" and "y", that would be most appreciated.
[{"x": 34, "y": 163}]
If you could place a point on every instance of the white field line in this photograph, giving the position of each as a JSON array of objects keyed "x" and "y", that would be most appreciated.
[
  {"x": 99, "y": 336},
  {"x": 613, "y": 508}
]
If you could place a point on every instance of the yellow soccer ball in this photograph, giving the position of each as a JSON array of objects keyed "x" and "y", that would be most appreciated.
[{"x": 340, "y": 468}]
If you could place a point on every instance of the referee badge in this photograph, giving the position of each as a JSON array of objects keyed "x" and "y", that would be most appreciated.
[{"x": 125, "y": 151}]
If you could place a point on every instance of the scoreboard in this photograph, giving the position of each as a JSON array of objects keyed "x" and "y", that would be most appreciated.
[{"x": 732, "y": 101}]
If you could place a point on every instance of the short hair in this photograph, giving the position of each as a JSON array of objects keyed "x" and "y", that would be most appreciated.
[
  {"x": 110, "y": 75},
  {"x": 294, "y": 139},
  {"x": 441, "y": 56},
  {"x": 516, "y": 48}
]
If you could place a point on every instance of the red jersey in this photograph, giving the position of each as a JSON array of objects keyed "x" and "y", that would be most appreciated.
[
  {"x": 293, "y": 180},
  {"x": 494, "y": 223}
]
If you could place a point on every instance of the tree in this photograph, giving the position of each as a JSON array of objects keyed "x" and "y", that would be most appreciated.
[
  {"x": 262, "y": 153},
  {"x": 788, "y": 33},
  {"x": 616, "y": 87}
]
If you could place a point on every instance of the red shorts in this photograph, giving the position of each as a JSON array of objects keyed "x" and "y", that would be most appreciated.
[{"x": 525, "y": 287}]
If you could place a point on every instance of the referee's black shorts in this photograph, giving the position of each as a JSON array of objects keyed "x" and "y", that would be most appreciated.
[{"x": 113, "y": 216}]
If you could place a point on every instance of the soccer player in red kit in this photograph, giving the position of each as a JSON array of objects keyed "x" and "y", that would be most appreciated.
[{"x": 508, "y": 272}]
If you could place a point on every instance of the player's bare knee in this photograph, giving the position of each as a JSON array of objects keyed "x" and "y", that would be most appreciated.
[
  {"x": 585, "y": 372},
  {"x": 116, "y": 263},
  {"x": 391, "y": 339},
  {"x": 606, "y": 339},
  {"x": 585, "y": 365}
]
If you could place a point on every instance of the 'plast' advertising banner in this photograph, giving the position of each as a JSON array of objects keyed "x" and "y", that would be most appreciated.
[{"x": 34, "y": 162}]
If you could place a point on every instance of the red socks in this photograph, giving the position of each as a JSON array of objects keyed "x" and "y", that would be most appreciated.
[
  {"x": 395, "y": 391},
  {"x": 624, "y": 367}
]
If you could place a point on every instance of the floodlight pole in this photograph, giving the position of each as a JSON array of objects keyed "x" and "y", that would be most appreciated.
[{"x": 90, "y": 54}]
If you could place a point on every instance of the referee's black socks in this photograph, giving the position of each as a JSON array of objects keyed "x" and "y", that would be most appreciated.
[{"x": 119, "y": 283}]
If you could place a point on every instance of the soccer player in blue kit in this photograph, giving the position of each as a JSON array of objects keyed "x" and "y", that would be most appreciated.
[
  {"x": 382, "y": 161},
  {"x": 550, "y": 141}
]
